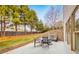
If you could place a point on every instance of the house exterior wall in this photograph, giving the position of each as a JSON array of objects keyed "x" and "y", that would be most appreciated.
[
  {"x": 68, "y": 10},
  {"x": 68, "y": 27}
]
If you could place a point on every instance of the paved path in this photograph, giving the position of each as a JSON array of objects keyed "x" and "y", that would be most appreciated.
[{"x": 57, "y": 48}]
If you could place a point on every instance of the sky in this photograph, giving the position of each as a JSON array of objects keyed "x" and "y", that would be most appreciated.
[{"x": 41, "y": 11}]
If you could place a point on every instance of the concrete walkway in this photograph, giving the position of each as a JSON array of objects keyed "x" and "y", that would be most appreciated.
[{"x": 57, "y": 48}]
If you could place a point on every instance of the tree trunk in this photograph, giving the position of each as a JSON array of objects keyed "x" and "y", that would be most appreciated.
[
  {"x": 1, "y": 26},
  {"x": 15, "y": 29},
  {"x": 4, "y": 28},
  {"x": 25, "y": 28},
  {"x": 31, "y": 29}
]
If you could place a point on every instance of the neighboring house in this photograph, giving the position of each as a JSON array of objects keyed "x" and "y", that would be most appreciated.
[
  {"x": 11, "y": 27},
  {"x": 71, "y": 35}
]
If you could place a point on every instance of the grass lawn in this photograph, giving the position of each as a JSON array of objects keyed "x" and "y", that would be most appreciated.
[
  {"x": 9, "y": 41},
  {"x": 16, "y": 40}
]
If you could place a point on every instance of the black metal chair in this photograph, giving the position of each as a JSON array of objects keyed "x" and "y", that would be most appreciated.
[{"x": 45, "y": 40}]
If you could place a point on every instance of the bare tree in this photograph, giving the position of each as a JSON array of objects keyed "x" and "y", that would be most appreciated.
[{"x": 53, "y": 15}]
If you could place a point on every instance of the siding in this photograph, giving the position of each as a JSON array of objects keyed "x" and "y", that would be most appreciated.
[{"x": 68, "y": 10}]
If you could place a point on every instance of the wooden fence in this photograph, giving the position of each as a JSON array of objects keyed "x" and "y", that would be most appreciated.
[{"x": 13, "y": 33}]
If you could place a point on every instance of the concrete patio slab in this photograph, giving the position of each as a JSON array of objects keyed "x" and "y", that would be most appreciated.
[{"x": 57, "y": 48}]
